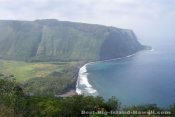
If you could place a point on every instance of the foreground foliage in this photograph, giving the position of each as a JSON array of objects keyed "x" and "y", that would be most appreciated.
[{"x": 14, "y": 103}]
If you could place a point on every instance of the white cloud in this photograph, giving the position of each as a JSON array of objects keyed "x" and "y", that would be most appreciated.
[{"x": 144, "y": 16}]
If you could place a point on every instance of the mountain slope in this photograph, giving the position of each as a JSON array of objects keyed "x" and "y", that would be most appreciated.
[{"x": 50, "y": 39}]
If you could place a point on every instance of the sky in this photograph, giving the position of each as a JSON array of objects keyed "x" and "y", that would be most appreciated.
[{"x": 150, "y": 19}]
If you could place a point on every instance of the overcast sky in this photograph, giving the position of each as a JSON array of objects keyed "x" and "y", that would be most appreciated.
[{"x": 148, "y": 18}]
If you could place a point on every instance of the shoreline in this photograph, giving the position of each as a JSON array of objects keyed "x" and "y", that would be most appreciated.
[
  {"x": 73, "y": 91},
  {"x": 83, "y": 87},
  {"x": 86, "y": 78}
]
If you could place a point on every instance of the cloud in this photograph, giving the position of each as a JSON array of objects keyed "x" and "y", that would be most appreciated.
[
  {"x": 144, "y": 16},
  {"x": 29, "y": 9}
]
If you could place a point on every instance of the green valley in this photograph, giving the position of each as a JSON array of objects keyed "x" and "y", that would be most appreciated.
[
  {"x": 26, "y": 70},
  {"x": 46, "y": 78},
  {"x": 40, "y": 61},
  {"x": 45, "y": 55}
]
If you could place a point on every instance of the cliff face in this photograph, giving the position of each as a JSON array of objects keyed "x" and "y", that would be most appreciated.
[
  {"x": 119, "y": 43},
  {"x": 47, "y": 40}
]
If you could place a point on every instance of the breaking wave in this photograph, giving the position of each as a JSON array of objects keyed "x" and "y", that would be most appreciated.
[{"x": 83, "y": 86}]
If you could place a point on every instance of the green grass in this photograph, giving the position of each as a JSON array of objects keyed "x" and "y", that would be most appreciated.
[{"x": 24, "y": 70}]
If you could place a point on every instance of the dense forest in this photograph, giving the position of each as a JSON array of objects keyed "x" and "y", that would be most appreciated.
[{"x": 15, "y": 103}]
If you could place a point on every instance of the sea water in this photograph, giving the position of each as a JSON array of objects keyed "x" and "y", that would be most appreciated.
[{"x": 148, "y": 77}]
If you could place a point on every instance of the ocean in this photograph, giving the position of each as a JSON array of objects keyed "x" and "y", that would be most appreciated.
[{"x": 147, "y": 77}]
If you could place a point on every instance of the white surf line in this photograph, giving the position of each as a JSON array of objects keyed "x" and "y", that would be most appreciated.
[{"x": 83, "y": 87}]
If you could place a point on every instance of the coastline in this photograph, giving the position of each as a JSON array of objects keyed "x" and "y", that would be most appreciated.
[
  {"x": 83, "y": 87},
  {"x": 76, "y": 90},
  {"x": 79, "y": 79},
  {"x": 83, "y": 80}
]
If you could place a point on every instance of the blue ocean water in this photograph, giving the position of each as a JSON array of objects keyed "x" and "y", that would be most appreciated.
[{"x": 148, "y": 77}]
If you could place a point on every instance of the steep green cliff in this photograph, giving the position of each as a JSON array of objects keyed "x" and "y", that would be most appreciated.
[{"x": 53, "y": 40}]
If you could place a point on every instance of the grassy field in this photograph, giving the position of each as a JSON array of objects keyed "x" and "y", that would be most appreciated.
[{"x": 24, "y": 71}]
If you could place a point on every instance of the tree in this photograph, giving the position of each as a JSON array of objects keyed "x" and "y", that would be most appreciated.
[
  {"x": 172, "y": 110},
  {"x": 112, "y": 104}
]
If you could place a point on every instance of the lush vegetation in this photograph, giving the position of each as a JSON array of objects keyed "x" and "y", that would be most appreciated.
[
  {"x": 52, "y": 40},
  {"x": 27, "y": 70},
  {"x": 45, "y": 50},
  {"x": 14, "y": 103},
  {"x": 54, "y": 83},
  {"x": 42, "y": 78}
]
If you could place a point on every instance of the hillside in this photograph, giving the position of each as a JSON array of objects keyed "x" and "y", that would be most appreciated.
[
  {"x": 53, "y": 40},
  {"x": 44, "y": 55}
]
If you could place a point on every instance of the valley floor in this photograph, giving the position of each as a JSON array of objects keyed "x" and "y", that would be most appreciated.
[{"x": 48, "y": 78}]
